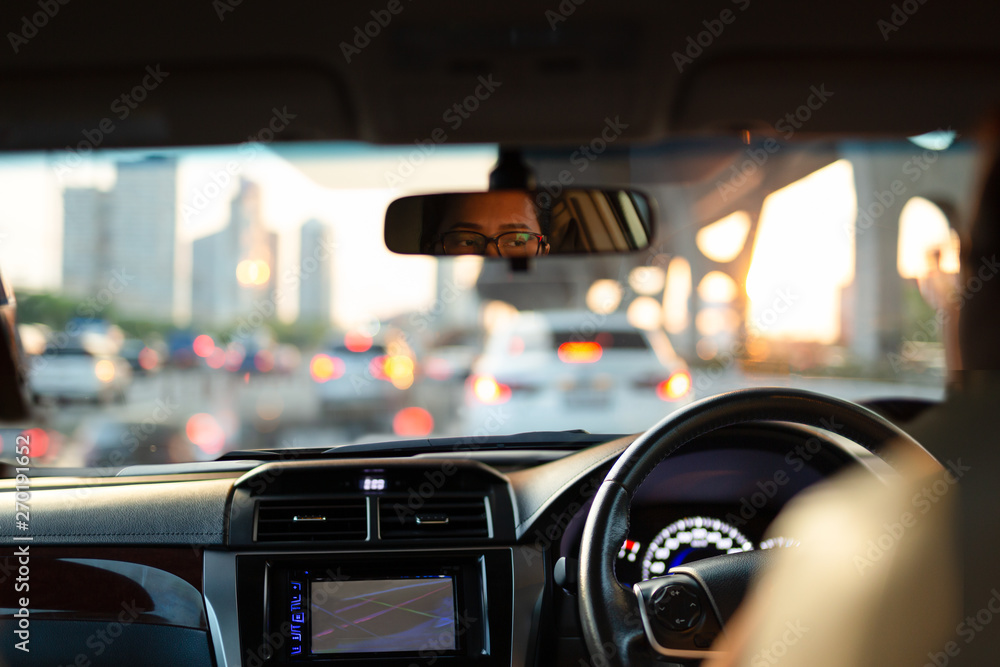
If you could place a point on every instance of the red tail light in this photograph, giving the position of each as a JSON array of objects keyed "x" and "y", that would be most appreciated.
[
  {"x": 323, "y": 367},
  {"x": 487, "y": 390},
  {"x": 580, "y": 353},
  {"x": 675, "y": 387}
]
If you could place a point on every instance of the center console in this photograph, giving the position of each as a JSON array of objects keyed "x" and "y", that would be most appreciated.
[
  {"x": 346, "y": 609},
  {"x": 372, "y": 562}
]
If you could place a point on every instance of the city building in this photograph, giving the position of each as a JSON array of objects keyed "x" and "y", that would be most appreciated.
[
  {"x": 118, "y": 246},
  {"x": 316, "y": 272},
  {"x": 233, "y": 271}
]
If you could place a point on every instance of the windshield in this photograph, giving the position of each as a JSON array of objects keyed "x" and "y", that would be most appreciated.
[{"x": 177, "y": 304}]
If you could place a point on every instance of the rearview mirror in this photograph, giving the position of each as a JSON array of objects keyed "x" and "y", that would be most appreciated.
[{"x": 519, "y": 223}]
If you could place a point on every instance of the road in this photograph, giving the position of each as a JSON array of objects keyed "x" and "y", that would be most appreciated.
[{"x": 283, "y": 410}]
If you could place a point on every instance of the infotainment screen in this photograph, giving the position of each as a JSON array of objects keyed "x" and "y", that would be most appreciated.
[{"x": 383, "y": 615}]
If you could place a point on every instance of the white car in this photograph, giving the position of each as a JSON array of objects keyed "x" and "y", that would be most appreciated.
[
  {"x": 569, "y": 369},
  {"x": 76, "y": 373}
]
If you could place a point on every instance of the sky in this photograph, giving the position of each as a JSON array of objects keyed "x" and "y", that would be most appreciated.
[{"x": 344, "y": 186}]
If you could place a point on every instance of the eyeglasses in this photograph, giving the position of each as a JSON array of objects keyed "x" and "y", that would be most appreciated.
[{"x": 508, "y": 244}]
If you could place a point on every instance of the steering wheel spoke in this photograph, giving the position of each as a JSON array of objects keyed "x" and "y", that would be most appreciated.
[{"x": 678, "y": 616}]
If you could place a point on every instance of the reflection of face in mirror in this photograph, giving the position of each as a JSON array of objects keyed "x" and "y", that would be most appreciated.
[{"x": 494, "y": 224}]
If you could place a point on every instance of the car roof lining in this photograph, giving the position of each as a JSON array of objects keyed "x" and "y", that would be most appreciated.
[{"x": 558, "y": 74}]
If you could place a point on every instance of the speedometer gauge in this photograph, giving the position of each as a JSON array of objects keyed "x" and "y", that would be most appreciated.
[{"x": 691, "y": 538}]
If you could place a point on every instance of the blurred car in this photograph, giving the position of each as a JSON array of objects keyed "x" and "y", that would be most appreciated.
[
  {"x": 180, "y": 349},
  {"x": 142, "y": 358},
  {"x": 443, "y": 369},
  {"x": 110, "y": 443},
  {"x": 356, "y": 387},
  {"x": 570, "y": 369},
  {"x": 79, "y": 373}
]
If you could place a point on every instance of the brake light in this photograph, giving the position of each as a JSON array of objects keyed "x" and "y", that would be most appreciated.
[
  {"x": 413, "y": 422},
  {"x": 37, "y": 440},
  {"x": 674, "y": 387},
  {"x": 487, "y": 390},
  {"x": 235, "y": 354},
  {"x": 149, "y": 359},
  {"x": 203, "y": 345},
  {"x": 204, "y": 431},
  {"x": 580, "y": 353},
  {"x": 355, "y": 341},
  {"x": 264, "y": 361},
  {"x": 377, "y": 367},
  {"x": 323, "y": 367},
  {"x": 217, "y": 358},
  {"x": 399, "y": 369}
]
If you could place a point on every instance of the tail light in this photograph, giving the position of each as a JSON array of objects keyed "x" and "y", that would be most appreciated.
[
  {"x": 487, "y": 390},
  {"x": 377, "y": 367},
  {"x": 149, "y": 359},
  {"x": 675, "y": 387},
  {"x": 580, "y": 353},
  {"x": 323, "y": 368}
]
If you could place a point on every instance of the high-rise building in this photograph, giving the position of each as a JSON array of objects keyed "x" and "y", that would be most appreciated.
[
  {"x": 85, "y": 247},
  {"x": 316, "y": 272},
  {"x": 118, "y": 246},
  {"x": 233, "y": 271}
]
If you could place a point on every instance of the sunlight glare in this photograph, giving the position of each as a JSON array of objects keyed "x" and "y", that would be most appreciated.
[
  {"x": 801, "y": 257},
  {"x": 924, "y": 229},
  {"x": 723, "y": 240}
]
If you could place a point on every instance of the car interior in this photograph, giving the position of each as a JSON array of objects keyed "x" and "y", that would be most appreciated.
[{"x": 798, "y": 204}]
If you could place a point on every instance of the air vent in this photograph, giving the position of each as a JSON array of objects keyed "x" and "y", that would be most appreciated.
[
  {"x": 449, "y": 516},
  {"x": 308, "y": 519}
]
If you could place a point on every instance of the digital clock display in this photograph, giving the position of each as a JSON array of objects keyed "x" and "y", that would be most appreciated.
[{"x": 373, "y": 484}]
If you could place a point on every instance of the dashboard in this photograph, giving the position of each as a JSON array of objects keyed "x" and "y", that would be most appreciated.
[{"x": 454, "y": 555}]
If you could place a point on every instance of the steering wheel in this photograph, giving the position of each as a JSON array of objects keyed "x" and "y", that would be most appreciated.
[{"x": 679, "y": 614}]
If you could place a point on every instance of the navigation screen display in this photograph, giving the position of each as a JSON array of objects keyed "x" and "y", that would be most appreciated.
[{"x": 383, "y": 615}]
